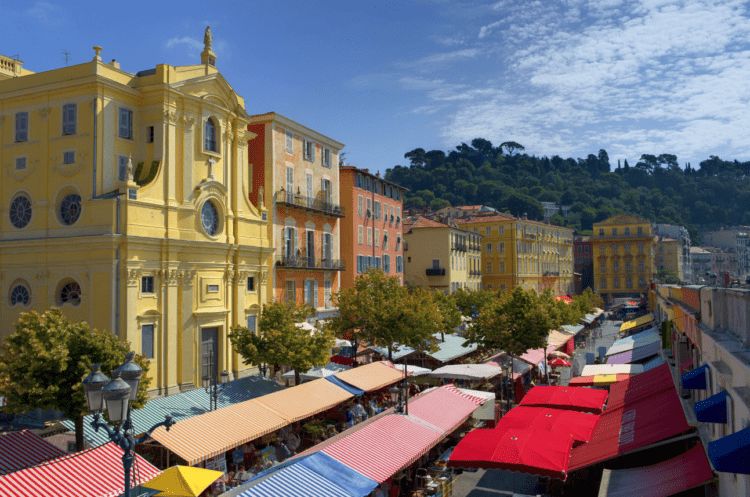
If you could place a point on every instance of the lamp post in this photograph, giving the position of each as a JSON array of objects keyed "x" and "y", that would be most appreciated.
[
  {"x": 507, "y": 386},
  {"x": 115, "y": 396},
  {"x": 211, "y": 384},
  {"x": 400, "y": 395}
]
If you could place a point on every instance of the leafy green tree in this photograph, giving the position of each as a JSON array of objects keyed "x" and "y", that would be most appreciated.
[
  {"x": 44, "y": 361},
  {"x": 512, "y": 147},
  {"x": 383, "y": 313},
  {"x": 280, "y": 341},
  {"x": 449, "y": 311},
  {"x": 471, "y": 302}
]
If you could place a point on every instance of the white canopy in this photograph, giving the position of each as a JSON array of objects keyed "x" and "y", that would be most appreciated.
[
  {"x": 634, "y": 341},
  {"x": 467, "y": 371},
  {"x": 318, "y": 372},
  {"x": 595, "y": 369}
]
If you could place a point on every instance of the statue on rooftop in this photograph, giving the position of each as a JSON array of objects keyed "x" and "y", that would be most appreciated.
[{"x": 208, "y": 38}]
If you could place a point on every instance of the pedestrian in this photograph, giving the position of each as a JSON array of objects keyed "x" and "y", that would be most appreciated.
[
  {"x": 349, "y": 418},
  {"x": 282, "y": 451},
  {"x": 293, "y": 442},
  {"x": 359, "y": 412}
]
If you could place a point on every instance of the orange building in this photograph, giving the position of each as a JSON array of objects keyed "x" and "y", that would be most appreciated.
[
  {"x": 371, "y": 234},
  {"x": 296, "y": 175}
]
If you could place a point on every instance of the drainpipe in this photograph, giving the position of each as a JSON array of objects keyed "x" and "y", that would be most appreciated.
[
  {"x": 117, "y": 275},
  {"x": 94, "y": 159}
]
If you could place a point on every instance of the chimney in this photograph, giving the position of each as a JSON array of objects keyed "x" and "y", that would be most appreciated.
[{"x": 115, "y": 64}]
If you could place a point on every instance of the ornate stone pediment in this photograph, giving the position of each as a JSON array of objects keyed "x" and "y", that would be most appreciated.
[
  {"x": 21, "y": 174},
  {"x": 211, "y": 187}
]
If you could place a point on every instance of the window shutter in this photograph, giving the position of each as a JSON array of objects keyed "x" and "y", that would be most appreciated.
[
  {"x": 123, "y": 131},
  {"x": 314, "y": 285},
  {"x": 294, "y": 241},
  {"x": 307, "y": 292},
  {"x": 22, "y": 126},
  {"x": 251, "y": 323},
  {"x": 123, "y": 166}
]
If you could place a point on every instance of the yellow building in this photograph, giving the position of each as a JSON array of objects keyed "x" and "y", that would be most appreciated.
[
  {"x": 125, "y": 203},
  {"x": 669, "y": 256},
  {"x": 520, "y": 252},
  {"x": 441, "y": 256},
  {"x": 623, "y": 256}
]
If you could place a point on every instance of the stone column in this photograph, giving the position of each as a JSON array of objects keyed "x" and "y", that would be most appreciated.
[{"x": 168, "y": 338}]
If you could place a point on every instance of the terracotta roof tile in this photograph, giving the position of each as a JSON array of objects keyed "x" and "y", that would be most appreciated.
[{"x": 486, "y": 219}]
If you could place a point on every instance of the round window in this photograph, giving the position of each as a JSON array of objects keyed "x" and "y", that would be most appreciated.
[
  {"x": 20, "y": 295},
  {"x": 20, "y": 211},
  {"x": 210, "y": 218},
  {"x": 70, "y": 208},
  {"x": 71, "y": 293}
]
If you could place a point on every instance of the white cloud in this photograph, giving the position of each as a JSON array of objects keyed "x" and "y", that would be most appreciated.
[
  {"x": 191, "y": 44},
  {"x": 440, "y": 59},
  {"x": 48, "y": 14},
  {"x": 485, "y": 30}
]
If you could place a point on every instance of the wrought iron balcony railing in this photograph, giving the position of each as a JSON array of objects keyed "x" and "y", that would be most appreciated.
[
  {"x": 309, "y": 203},
  {"x": 303, "y": 262},
  {"x": 436, "y": 271}
]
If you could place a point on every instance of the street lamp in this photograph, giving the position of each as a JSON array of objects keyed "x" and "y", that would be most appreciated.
[
  {"x": 400, "y": 395},
  {"x": 115, "y": 396},
  {"x": 211, "y": 383},
  {"x": 507, "y": 386}
]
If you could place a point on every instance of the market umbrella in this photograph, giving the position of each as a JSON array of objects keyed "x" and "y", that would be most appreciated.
[
  {"x": 183, "y": 481},
  {"x": 556, "y": 363},
  {"x": 561, "y": 355}
]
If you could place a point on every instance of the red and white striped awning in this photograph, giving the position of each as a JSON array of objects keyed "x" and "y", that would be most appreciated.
[
  {"x": 93, "y": 473},
  {"x": 384, "y": 447},
  {"x": 21, "y": 449},
  {"x": 445, "y": 408},
  {"x": 461, "y": 392}
]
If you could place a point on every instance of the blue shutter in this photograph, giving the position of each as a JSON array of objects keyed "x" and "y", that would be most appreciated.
[
  {"x": 147, "y": 340},
  {"x": 307, "y": 292},
  {"x": 251, "y": 323},
  {"x": 314, "y": 285},
  {"x": 69, "y": 119},
  {"x": 22, "y": 126}
]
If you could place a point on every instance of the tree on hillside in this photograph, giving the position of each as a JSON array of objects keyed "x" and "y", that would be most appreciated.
[
  {"x": 44, "y": 361},
  {"x": 383, "y": 313},
  {"x": 512, "y": 147},
  {"x": 280, "y": 342}
]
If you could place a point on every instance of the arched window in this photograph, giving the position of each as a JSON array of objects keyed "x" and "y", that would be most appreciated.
[
  {"x": 20, "y": 295},
  {"x": 210, "y": 135},
  {"x": 70, "y": 293}
]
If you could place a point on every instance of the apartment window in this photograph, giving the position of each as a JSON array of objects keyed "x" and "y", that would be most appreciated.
[
  {"x": 627, "y": 248},
  {"x": 614, "y": 231},
  {"x": 642, "y": 282},
  {"x": 501, "y": 267},
  {"x": 615, "y": 266},
  {"x": 250, "y": 284},
  {"x": 489, "y": 267},
  {"x": 361, "y": 235},
  {"x": 122, "y": 167},
  {"x": 326, "y": 157},
  {"x": 311, "y": 293},
  {"x": 399, "y": 264},
  {"x": 628, "y": 282},
  {"x": 369, "y": 237},
  {"x": 627, "y": 265},
  {"x": 150, "y": 134},
  {"x": 326, "y": 190},
  {"x": 488, "y": 247},
  {"x": 640, "y": 230},
  {"x": 627, "y": 231},
  {"x": 359, "y": 181},
  {"x": 22, "y": 126},
  {"x": 327, "y": 294},
  {"x": 327, "y": 247},
  {"x": 501, "y": 247},
  {"x": 309, "y": 151},
  {"x": 251, "y": 321},
  {"x": 392, "y": 213},
  {"x": 290, "y": 242},
  {"x": 601, "y": 231},
  {"x": 20, "y": 163},
  {"x": 289, "y": 142},
  {"x": 377, "y": 237},
  {"x": 69, "y": 157},
  {"x": 640, "y": 248},
  {"x": 290, "y": 292},
  {"x": 603, "y": 283},
  {"x": 398, "y": 242},
  {"x": 385, "y": 239},
  {"x": 360, "y": 264},
  {"x": 578, "y": 249},
  {"x": 387, "y": 263},
  {"x": 125, "y": 127},
  {"x": 377, "y": 210},
  {"x": 398, "y": 214},
  {"x": 69, "y": 119},
  {"x": 602, "y": 249},
  {"x": 602, "y": 266},
  {"x": 147, "y": 340},
  {"x": 640, "y": 265},
  {"x": 369, "y": 207},
  {"x": 616, "y": 283},
  {"x": 435, "y": 263},
  {"x": 614, "y": 248},
  {"x": 147, "y": 284}
]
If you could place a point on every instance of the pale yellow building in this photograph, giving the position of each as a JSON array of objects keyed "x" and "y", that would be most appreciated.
[
  {"x": 125, "y": 203},
  {"x": 441, "y": 256},
  {"x": 669, "y": 256},
  {"x": 525, "y": 253},
  {"x": 624, "y": 249}
]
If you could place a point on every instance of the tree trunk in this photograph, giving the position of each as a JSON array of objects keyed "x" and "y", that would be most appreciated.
[
  {"x": 390, "y": 353},
  {"x": 80, "y": 445},
  {"x": 296, "y": 376}
]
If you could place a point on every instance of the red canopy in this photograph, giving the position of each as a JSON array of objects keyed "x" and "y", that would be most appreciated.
[
  {"x": 21, "y": 449},
  {"x": 559, "y": 362},
  {"x": 636, "y": 425},
  {"x": 574, "y": 398},
  {"x": 339, "y": 359},
  {"x": 636, "y": 387},
  {"x": 445, "y": 408},
  {"x": 672, "y": 476},
  {"x": 579, "y": 425},
  {"x": 527, "y": 451}
]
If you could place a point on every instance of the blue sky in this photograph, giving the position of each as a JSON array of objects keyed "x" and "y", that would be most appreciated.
[{"x": 563, "y": 77}]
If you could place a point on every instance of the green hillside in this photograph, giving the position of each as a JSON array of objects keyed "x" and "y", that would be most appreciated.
[{"x": 715, "y": 194}]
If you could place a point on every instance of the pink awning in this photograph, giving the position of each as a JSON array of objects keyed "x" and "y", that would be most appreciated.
[
  {"x": 639, "y": 386},
  {"x": 579, "y": 425},
  {"x": 21, "y": 449},
  {"x": 635, "y": 425},
  {"x": 445, "y": 408},
  {"x": 384, "y": 447},
  {"x": 561, "y": 397},
  {"x": 527, "y": 451},
  {"x": 93, "y": 473},
  {"x": 686, "y": 471}
]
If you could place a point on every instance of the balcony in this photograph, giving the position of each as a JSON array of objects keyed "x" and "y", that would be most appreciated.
[
  {"x": 436, "y": 271},
  {"x": 644, "y": 236},
  {"x": 551, "y": 274},
  {"x": 475, "y": 273},
  {"x": 461, "y": 247},
  {"x": 302, "y": 262},
  {"x": 312, "y": 204}
]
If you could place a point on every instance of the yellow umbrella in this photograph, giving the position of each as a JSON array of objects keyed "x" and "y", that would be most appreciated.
[
  {"x": 183, "y": 481},
  {"x": 604, "y": 379}
]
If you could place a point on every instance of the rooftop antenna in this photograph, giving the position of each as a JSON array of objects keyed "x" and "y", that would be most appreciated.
[{"x": 66, "y": 53}]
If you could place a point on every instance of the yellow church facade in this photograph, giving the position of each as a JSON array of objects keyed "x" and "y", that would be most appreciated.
[{"x": 124, "y": 200}]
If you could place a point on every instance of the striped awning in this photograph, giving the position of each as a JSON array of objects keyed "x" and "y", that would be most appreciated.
[
  {"x": 371, "y": 376},
  {"x": 386, "y": 446},
  {"x": 92, "y": 473},
  {"x": 306, "y": 399},
  {"x": 467, "y": 371},
  {"x": 636, "y": 323},
  {"x": 445, "y": 408},
  {"x": 183, "y": 406},
  {"x": 200, "y": 437},
  {"x": 634, "y": 341},
  {"x": 21, "y": 449},
  {"x": 596, "y": 369}
]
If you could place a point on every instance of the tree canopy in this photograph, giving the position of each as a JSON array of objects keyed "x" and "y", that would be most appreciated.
[
  {"x": 44, "y": 361},
  {"x": 280, "y": 342},
  {"x": 383, "y": 313},
  {"x": 507, "y": 178}
]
